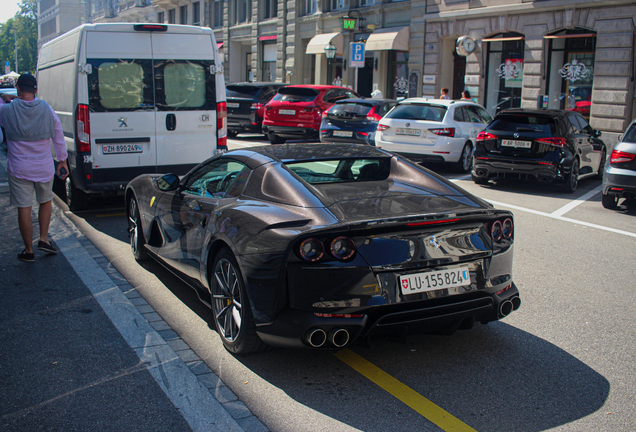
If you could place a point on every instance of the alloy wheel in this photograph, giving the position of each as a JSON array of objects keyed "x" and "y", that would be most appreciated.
[{"x": 227, "y": 300}]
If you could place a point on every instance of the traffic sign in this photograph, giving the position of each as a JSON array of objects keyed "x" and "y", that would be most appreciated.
[
  {"x": 356, "y": 58},
  {"x": 7, "y": 67}
]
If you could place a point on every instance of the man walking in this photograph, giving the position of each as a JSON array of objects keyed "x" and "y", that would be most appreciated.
[{"x": 29, "y": 125}]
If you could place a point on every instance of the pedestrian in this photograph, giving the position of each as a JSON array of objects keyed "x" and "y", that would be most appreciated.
[
  {"x": 30, "y": 125},
  {"x": 466, "y": 95},
  {"x": 444, "y": 93}
]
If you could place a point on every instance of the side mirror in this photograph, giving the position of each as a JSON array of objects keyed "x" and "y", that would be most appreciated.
[
  {"x": 620, "y": 137},
  {"x": 168, "y": 182}
]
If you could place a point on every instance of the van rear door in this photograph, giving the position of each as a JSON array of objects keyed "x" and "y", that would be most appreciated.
[
  {"x": 121, "y": 105},
  {"x": 186, "y": 96}
]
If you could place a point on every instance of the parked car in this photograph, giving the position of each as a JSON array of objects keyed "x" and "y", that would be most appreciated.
[
  {"x": 619, "y": 179},
  {"x": 551, "y": 146},
  {"x": 306, "y": 245},
  {"x": 353, "y": 120},
  {"x": 246, "y": 106},
  {"x": 433, "y": 130},
  {"x": 296, "y": 111}
]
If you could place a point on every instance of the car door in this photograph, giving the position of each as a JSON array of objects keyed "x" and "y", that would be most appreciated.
[
  {"x": 598, "y": 146},
  {"x": 193, "y": 213},
  {"x": 582, "y": 144}
]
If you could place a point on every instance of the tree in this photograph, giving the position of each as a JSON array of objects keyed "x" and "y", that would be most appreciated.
[{"x": 25, "y": 25}]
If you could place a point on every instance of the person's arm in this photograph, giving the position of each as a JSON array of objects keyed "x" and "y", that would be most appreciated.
[{"x": 59, "y": 144}]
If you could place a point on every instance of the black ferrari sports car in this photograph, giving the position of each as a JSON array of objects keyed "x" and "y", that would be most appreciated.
[{"x": 317, "y": 246}]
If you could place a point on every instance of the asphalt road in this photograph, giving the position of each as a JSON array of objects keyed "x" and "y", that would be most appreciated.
[{"x": 564, "y": 361}]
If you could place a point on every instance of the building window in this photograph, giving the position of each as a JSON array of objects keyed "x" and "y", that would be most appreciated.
[
  {"x": 367, "y": 2},
  {"x": 241, "y": 11},
  {"x": 183, "y": 15},
  {"x": 310, "y": 7},
  {"x": 172, "y": 16},
  {"x": 571, "y": 70},
  {"x": 196, "y": 13},
  {"x": 269, "y": 62},
  {"x": 218, "y": 13},
  {"x": 48, "y": 28},
  {"x": 46, "y": 5},
  {"x": 161, "y": 17},
  {"x": 398, "y": 74},
  {"x": 504, "y": 71},
  {"x": 270, "y": 9},
  {"x": 337, "y": 5}
]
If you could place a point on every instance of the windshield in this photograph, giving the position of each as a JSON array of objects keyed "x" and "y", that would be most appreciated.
[
  {"x": 418, "y": 112},
  {"x": 296, "y": 94},
  {"x": 341, "y": 170}
]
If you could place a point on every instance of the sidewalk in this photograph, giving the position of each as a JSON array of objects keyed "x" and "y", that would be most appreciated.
[{"x": 76, "y": 353}]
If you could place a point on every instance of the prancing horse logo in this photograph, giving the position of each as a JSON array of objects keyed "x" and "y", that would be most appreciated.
[
  {"x": 122, "y": 122},
  {"x": 433, "y": 242}
]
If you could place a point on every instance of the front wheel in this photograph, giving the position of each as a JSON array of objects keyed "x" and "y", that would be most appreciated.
[
  {"x": 232, "y": 312},
  {"x": 572, "y": 180},
  {"x": 465, "y": 162},
  {"x": 135, "y": 231}
]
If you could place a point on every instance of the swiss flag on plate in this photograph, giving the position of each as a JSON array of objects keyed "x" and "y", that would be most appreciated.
[{"x": 405, "y": 284}]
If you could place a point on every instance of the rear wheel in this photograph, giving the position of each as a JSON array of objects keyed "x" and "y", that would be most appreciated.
[
  {"x": 77, "y": 200},
  {"x": 275, "y": 139},
  {"x": 232, "y": 312},
  {"x": 572, "y": 180},
  {"x": 135, "y": 231},
  {"x": 609, "y": 201},
  {"x": 465, "y": 162},
  {"x": 479, "y": 180}
]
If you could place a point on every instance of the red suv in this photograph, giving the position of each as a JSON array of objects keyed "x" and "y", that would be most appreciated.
[{"x": 296, "y": 111}]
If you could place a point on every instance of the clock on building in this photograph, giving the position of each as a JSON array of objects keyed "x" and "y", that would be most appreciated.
[{"x": 465, "y": 45}]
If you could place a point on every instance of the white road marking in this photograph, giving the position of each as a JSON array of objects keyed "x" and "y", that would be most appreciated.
[{"x": 580, "y": 200}]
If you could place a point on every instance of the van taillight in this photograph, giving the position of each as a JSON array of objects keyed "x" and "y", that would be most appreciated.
[
  {"x": 221, "y": 126},
  {"x": 151, "y": 27},
  {"x": 82, "y": 129}
]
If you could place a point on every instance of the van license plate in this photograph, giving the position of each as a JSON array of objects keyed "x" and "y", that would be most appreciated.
[
  {"x": 233, "y": 105},
  {"x": 122, "y": 148},
  {"x": 434, "y": 280},
  {"x": 409, "y": 132},
  {"x": 342, "y": 133},
  {"x": 287, "y": 112}
]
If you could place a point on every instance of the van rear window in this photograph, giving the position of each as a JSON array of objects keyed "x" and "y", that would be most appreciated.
[
  {"x": 184, "y": 85},
  {"x": 120, "y": 85}
]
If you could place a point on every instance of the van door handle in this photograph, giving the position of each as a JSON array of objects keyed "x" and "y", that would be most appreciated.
[{"x": 171, "y": 122}]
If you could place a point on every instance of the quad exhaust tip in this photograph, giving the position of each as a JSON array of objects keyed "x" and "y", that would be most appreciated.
[
  {"x": 512, "y": 304},
  {"x": 339, "y": 337},
  {"x": 316, "y": 338}
]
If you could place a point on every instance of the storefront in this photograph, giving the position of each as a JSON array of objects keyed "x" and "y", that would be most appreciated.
[
  {"x": 395, "y": 41},
  {"x": 504, "y": 71}
]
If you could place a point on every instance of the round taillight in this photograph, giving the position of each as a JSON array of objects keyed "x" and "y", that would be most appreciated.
[
  {"x": 311, "y": 250},
  {"x": 342, "y": 248},
  {"x": 507, "y": 228},
  {"x": 496, "y": 231}
]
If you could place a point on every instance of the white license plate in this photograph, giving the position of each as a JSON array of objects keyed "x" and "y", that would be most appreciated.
[
  {"x": 122, "y": 148},
  {"x": 342, "y": 133},
  {"x": 516, "y": 144},
  {"x": 233, "y": 105},
  {"x": 409, "y": 132},
  {"x": 434, "y": 280},
  {"x": 287, "y": 112}
]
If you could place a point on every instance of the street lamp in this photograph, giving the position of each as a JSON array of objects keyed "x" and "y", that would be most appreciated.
[{"x": 330, "y": 51}]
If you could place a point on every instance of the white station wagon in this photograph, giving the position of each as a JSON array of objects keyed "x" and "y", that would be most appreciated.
[{"x": 433, "y": 130}]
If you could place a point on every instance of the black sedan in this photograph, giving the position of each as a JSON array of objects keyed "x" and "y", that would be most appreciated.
[
  {"x": 318, "y": 246},
  {"x": 550, "y": 146},
  {"x": 246, "y": 104}
]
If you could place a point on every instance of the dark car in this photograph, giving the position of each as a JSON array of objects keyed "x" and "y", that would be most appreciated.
[
  {"x": 246, "y": 105},
  {"x": 317, "y": 246},
  {"x": 296, "y": 111},
  {"x": 551, "y": 146},
  {"x": 619, "y": 179},
  {"x": 354, "y": 120}
]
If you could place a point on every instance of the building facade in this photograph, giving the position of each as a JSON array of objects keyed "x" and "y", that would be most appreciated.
[{"x": 56, "y": 17}]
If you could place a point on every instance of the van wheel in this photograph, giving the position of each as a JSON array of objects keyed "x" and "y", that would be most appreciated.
[
  {"x": 465, "y": 162},
  {"x": 275, "y": 139},
  {"x": 77, "y": 200}
]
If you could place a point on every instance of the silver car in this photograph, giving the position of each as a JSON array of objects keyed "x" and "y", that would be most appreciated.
[{"x": 619, "y": 179}]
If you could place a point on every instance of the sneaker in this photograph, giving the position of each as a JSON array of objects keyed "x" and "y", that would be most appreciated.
[
  {"x": 27, "y": 257},
  {"x": 46, "y": 247}
]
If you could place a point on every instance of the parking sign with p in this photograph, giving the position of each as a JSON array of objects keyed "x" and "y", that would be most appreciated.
[{"x": 356, "y": 56}]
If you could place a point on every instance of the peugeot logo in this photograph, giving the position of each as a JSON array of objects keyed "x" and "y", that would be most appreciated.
[
  {"x": 516, "y": 135},
  {"x": 433, "y": 242},
  {"x": 122, "y": 122}
]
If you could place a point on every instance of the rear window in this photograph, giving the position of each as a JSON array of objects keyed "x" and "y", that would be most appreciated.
[
  {"x": 120, "y": 85},
  {"x": 246, "y": 92},
  {"x": 630, "y": 135},
  {"x": 341, "y": 170},
  {"x": 524, "y": 123},
  {"x": 418, "y": 112},
  {"x": 295, "y": 94},
  {"x": 350, "y": 109}
]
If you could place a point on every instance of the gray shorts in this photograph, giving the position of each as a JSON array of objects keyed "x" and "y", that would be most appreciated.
[{"x": 21, "y": 191}]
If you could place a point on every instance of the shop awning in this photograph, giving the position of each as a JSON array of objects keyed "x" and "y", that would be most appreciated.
[
  {"x": 318, "y": 43},
  {"x": 395, "y": 38},
  {"x": 219, "y": 45}
]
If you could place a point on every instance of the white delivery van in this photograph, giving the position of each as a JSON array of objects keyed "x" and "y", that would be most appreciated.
[{"x": 133, "y": 99}]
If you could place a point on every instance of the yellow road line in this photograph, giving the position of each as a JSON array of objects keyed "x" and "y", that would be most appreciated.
[{"x": 405, "y": 394}]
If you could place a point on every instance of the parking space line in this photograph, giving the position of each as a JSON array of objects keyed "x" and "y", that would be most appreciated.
[
  {"x": 403, "y": 393},
  {"x": 574, "y": 221},
  {"x": 580, "y": 200}
]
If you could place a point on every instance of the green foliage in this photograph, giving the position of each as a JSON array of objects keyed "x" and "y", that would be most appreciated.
[{"x": 25, "y": 24}]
